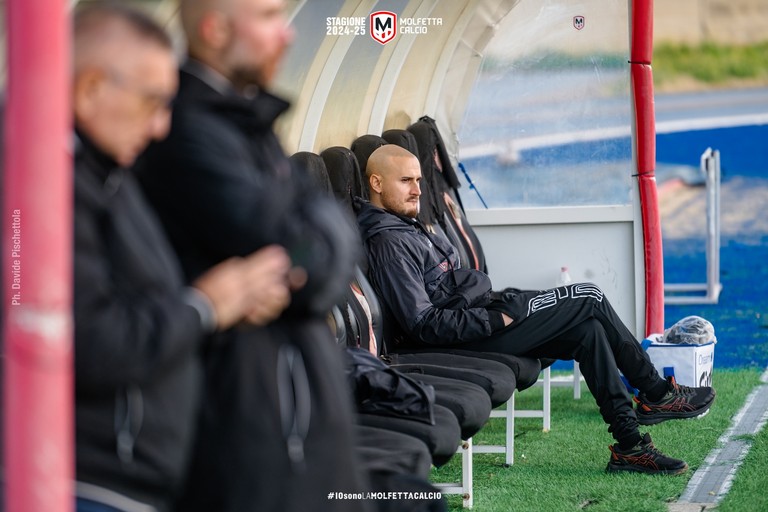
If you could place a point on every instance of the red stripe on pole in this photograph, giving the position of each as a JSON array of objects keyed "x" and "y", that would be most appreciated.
[
  {"x": 37, "y": 262},
  {"x": 642, "y": 31},
  {"x": 654, "y": 261},
  {"x": 645, "y": 141},
  {"x": 645, "y": 122}
]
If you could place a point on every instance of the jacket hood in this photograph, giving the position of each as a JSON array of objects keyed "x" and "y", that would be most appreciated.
[{"x": 373, "y": 220}]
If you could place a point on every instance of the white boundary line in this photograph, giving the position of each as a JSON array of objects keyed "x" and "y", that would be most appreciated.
[
  {"x": 709, "y": 123},
  {"x": 728, "y": 437}
]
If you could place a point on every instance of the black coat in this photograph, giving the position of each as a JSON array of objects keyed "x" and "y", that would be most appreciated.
[
  {"x": 417, "y": 274},
  {"x": 137, "y": 371},
  {"x": 223, "y": 187}
]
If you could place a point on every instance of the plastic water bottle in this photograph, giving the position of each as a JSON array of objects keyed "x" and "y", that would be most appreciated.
[{"x": 565, "y": 277}]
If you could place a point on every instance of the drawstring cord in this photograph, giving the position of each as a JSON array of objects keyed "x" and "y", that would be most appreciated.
[
  {"x": 295, "y": 403},
  {"x": 129, "y": 417}
]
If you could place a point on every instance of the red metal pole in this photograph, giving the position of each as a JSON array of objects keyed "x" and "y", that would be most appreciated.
[
  {"x": 37, "y": 260},
  {"x": 645, "y": 142}
]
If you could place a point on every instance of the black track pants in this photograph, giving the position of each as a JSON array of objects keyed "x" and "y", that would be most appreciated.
[{"x": 577, "y": 322}]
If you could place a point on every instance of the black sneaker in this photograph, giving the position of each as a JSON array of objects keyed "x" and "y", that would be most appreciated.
[
  {"x": 644, "y": 458},
  {"x": 678, "y": 402}
]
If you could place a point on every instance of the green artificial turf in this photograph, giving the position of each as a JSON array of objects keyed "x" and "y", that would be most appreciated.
[
  {"x": 564, "y": 469},
  {"x": 710, "y": 63},
  {"x": 751, "y": 482}
]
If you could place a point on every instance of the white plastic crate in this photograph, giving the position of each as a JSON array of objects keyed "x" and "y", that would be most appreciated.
[{"x": 691, "y": 365}]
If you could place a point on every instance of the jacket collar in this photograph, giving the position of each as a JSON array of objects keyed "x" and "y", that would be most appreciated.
[
  {"x": 373, "y": 220},
  {"x": 97, "y": 163},
  {"x": 201, "y": 85},
  {"x": 209, "y": 77}
]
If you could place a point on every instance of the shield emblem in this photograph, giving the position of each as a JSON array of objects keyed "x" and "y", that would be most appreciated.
[
  {"x": 383, "y": 26},
  {"x": 578, "y": 22}
]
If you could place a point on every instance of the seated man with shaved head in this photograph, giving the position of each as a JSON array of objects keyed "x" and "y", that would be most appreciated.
[{"x": 432, "y": 302}]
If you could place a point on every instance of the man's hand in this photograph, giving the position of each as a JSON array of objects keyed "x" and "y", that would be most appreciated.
[
  {"x": 255, "y": 287},
  {"x": 270, "y": 285}
]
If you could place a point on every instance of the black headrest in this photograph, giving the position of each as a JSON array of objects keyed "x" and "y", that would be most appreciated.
[
  {"x": 430, "y": 142},
  {"x": 313, "y": 165},
  {"x": 402, "y": 138},
  {"x": 344, "y": 174},
  {"x": 432, "y": 186},
  {"x": 363, "y": 146}
]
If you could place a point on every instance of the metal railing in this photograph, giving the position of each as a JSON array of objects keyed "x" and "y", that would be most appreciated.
[{"x": 690, "y": 293}]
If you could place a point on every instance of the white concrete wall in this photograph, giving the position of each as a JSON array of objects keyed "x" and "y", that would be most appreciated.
[{"x": 525, "y": 248}]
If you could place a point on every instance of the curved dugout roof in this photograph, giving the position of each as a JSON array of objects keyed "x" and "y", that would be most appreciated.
[
  {"x": 347, "y": 85},
  {"x": 382, "y": 86}
]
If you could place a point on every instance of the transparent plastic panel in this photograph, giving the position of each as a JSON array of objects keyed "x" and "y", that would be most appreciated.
[{"x": 549, "y": 120}]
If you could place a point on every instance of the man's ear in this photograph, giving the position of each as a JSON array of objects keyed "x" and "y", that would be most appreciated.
[
  {"x": 215, "y": 29},
  {"x": 374, "y": 182},
  {"x": 87, "y": 91}
]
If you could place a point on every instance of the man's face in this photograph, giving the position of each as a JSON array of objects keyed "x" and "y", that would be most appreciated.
[
  {"x": 400, "y": 190},
  {"x": 259, "y": 37},
  {"x": 128, "y": 103}
]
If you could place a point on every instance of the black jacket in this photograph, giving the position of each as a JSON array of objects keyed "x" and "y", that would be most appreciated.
[
  {"x": 137, "y": 339},
  {"x": 417, "y": 274},
  {"x": 223, "y": 187}
]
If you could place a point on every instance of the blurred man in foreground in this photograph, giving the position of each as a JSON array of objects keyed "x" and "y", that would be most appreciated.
[
  {"x": 276, "y": 430},
  {"x": 138, "y": 331}
]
